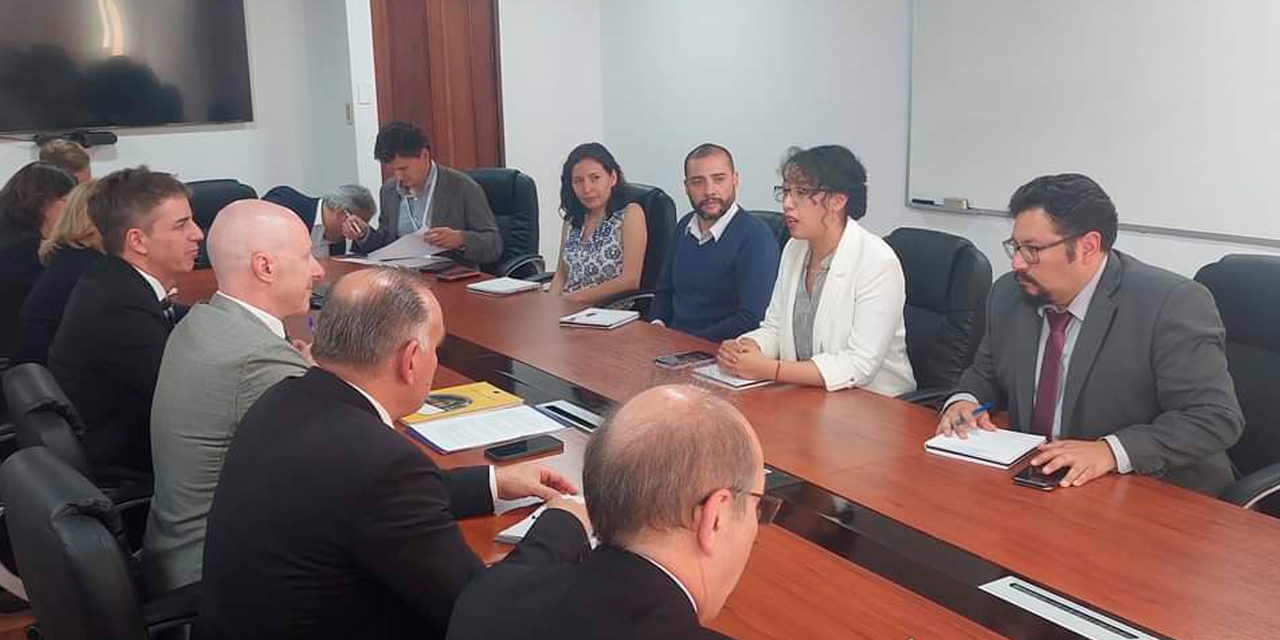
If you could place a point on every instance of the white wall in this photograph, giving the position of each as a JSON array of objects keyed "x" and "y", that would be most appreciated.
[
  {"x": 761, "y": 75},
  {"x": 551, "y": 94},
  {"x": 758, "y": 76},
  {"x": 298, "y": 60}
]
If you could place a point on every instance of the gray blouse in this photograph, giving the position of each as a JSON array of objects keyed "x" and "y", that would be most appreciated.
[{"x": 806, "y": 308}]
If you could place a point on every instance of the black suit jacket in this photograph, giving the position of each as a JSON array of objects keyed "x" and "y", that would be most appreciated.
[
  {"x": 305, "y": 206},
  {"x": 42, "y": 312},
  {"x": 328, "y": 524},
  {"x": 19, "y": 269},
  {"x": 106, "y": 357},
  {"x": 613, "y": 595}
]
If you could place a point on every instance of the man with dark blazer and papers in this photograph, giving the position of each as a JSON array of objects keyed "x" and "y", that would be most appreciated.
[
  {"x": 327, "y": 522},
  {"x": 674, "y": 484},
  {"x": 423, "y": 194},
  {"x": 1122, "y": 364},
  {"x": 325, "y": 217},
  {"x": 106, "y": 353}
]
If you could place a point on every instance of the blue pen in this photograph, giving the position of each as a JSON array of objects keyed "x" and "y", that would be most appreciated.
[{"x": 977, "y": 411}]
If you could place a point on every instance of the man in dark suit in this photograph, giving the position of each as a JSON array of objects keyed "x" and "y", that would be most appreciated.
[
  {"x": 324, "y": 217},
  {"x": 106, "y": 354},
  {"x": 326, "y": 522},
  {"x": 424, "y": 196},
  {"x": 674, "y": 485},
  {"x": 1121, "y": 364}
]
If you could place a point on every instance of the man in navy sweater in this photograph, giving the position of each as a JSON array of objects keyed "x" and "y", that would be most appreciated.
[{"x": 720, "y": 269}]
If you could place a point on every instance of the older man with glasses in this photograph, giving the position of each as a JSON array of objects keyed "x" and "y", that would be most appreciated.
[
  {"x": 1120, "y": 365},
  {"x": 675, "y": 490}
]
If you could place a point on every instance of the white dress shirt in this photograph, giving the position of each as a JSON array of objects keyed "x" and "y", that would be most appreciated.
[
  {"x": 717, "y": 228},
  {"x": 320, "y": 244},
  {"x": 153, "y": 281},
  {"x": 273, "y": 323}
]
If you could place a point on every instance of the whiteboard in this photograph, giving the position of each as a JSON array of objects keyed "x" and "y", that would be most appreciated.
[{"x": 1173, "y": 106}]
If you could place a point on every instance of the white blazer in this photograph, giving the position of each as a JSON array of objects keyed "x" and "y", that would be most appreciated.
[{"x": 859, "y": 338}]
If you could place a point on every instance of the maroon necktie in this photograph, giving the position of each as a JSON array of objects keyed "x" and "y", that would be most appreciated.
[{"x": 1050, "y": 366}]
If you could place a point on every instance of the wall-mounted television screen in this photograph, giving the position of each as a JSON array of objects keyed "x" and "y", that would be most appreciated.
[{"x": 68, "y": 64}]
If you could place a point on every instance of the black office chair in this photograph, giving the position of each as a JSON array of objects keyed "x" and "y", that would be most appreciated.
[
  {"x": 513, "y": 197},
  {"x": 68, "y": 539},
  {"x": 44, "y": 417},
  {"x": 660, "y": 223},
  {"x": 1246, "y": 289},
  {"x": 773, "y": 220},
  {"x": 208, "y": 197},
  {"x": 948, "y": 280}
]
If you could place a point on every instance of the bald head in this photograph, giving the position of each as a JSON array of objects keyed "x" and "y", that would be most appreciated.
[
  {"x": 665, "y": 450},
  {"x": 261, "y": 254}
]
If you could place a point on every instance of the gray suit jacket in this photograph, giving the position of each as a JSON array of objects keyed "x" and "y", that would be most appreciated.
[
  {"x": 458, "y": 203},
  {"x": 218, "y": 361},
  {"x": 1149, "y": 366}
]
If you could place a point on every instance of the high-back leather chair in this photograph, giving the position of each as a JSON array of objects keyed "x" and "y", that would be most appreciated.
[
  {"x": 68, "y": 543},
  {"x": 947, "y": 280},
  {"x": 660, "y": 223},
  {"x": 31, "y": 387},
  {"x": 208, "y": 197},
  {"x": 776, "y": 224},
  {"x": 1246, "y": 289},
  {"x": 513, "y": 197}
]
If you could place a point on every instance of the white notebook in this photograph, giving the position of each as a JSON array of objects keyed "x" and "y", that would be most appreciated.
[
  {"x": 596, "y": 318},
  {"x": 516, "y": 532},
  {"x": 472, "y": 430},
  {"x": 1000, "y": 448},
  {"x": 714, "y": 373},
  {"x": 502, "y": 286}
]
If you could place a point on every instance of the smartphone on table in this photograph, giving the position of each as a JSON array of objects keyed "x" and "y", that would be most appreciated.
[
  {"x": 524, "y": 448},
  {"x": 1032, "y": 477},
  {"x": 683, "y": 359}
]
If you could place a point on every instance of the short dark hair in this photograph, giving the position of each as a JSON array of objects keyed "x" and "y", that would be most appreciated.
[
  {"x": 831, "y": 168},
  {"x": 400, "y": 139},
  {"x": 66, "y": 154},
  {"x": 124, "y": 200},
  {"x": 363, "y": 327},
  {"x": 707, "y": 149},
  {"x": 25, "y": 196},
  {"x": 570, "y": 206},
  {"x": 650, "y": 475},
  {"x": 1075, "y": 204}
]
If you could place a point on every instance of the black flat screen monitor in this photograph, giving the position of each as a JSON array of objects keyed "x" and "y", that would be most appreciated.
[{"x": 71, "y": 64}]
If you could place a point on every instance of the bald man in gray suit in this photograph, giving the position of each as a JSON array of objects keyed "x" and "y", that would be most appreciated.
[{"x": 218, "y": 361}]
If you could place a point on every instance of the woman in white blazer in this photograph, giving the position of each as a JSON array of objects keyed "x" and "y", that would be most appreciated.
[{"x": 835, "y": 318}]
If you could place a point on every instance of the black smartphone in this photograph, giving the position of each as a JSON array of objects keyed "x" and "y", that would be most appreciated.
[
  {"x": 1031, "y": 477},
  {"x": 528, "y": 447},
  {"x": 457, "y": 273},
  {"x": 683, "y": 359}
]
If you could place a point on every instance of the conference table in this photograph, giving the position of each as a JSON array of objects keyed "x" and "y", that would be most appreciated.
[{"x": 876, "y": 537}]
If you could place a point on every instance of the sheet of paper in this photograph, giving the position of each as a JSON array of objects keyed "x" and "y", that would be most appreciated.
[
  {"x": 484, "y": 429},
  {"x": 714, "y": 372},
  {"x": 414, "y": 245},
  {"x": 516, "y": 532},
  {"x": 503, "y": 286},
  {"x": 996, "y": 448}
]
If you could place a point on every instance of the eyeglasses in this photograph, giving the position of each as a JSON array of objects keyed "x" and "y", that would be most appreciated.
[
  {"x": 767, "y": 507},
  {"x": 780, "y": 192},
  {"x": 1031, "y": 253}
]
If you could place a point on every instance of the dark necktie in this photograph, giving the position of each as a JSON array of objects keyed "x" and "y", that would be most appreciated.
[
  {"x": 338, "y": 247},
  {"x": 1050, "y": 367},
  {"x": 166, "y": 305}
]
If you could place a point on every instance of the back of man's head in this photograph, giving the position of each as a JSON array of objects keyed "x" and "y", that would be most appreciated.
[
  {"x": 648, "y": 469},
  {"x": 124, "y": 200},
  {"x": 67, "y": 155},
  {"x": 368, "y": 317},
  {"x": 261, "y": 254}
]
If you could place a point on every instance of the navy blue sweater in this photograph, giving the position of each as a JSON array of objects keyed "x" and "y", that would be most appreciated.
[{"x": 718, "y": 290}]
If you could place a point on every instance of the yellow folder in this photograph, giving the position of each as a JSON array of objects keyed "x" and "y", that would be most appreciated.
[{"x": 466, "y": 398}]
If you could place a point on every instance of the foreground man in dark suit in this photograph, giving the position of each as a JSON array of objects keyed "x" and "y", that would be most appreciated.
[
  {"x": 674, "y": 486},
  {"x": 106, "y": 354},
  {"x": 1121, "y": 364},
  {"x": 326, "y": 522}
]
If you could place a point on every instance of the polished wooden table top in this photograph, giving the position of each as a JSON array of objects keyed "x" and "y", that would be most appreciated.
[{"x": 1178, "y": 563}]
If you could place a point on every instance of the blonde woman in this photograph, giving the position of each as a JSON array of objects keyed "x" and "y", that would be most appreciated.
[{"x": 72, "y": 246}]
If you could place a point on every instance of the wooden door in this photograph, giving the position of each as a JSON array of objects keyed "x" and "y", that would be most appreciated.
[{"x": 436, "y": 64}]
